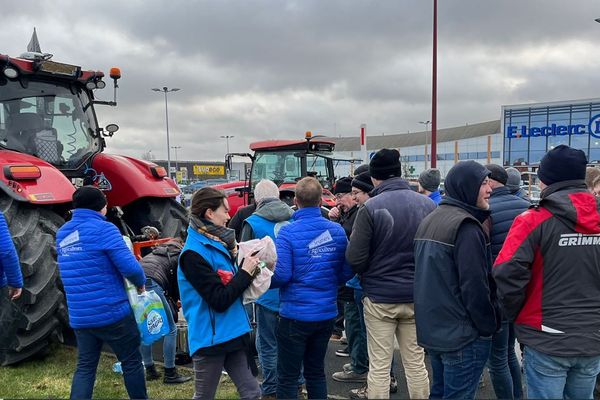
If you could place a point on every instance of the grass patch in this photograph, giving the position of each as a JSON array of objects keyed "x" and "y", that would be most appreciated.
[{"x": 49, "y": 376}]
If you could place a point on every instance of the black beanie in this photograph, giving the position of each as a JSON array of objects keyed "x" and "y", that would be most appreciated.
[
  {"x": 430, "y": 179},
  {"x": 363, "y": 182},
  {"x": 343, "y": 185},
  {"x": 497, "y": 173},
  {"x": 360, "y": 169},
  {"x": 385, "y": 164},
  {"x": 89, "y": 197},
  {"x": 562, "y": 163}
]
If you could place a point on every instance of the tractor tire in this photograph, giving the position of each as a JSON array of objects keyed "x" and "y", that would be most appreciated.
[
  {"x": 165, "y": 214},
  {"x": 39, "y": 316}
]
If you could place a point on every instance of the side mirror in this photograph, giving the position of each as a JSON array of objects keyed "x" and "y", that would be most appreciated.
[{"x": 111, "y": 129}]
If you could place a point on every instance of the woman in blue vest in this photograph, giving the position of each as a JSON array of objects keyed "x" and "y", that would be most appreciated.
[{"x": 211, "y": 288}]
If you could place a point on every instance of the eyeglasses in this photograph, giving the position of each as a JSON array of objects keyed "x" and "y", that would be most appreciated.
[
  {"x": 356, "y": 192},
  {"x": 340, "y": 196}
]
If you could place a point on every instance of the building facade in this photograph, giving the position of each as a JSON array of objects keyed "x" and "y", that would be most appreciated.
[{"x": 530, "y": 130}]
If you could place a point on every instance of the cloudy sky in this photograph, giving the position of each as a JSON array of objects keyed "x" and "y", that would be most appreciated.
[{"x": 275, "y": 69}]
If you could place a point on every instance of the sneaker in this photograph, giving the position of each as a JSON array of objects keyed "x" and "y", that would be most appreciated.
[
  {"x": 359, "y": 394},
  {"x": 344, "y": 340},
  {"x": 347, "y": 367},
  {"x": 342, "y": 352},
  {"x": 393, "y": 384},
  {"x": 351, "y": 376},
  {"x": 335, "y": 337}
]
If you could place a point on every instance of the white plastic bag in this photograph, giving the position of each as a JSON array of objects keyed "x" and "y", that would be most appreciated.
[
  {"x": 265, "y": 249},
  {"x": 259, "y": 285}
]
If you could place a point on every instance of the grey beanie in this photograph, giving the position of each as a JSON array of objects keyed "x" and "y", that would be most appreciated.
[
  {"x": 430, "y": 179},
  {"x": 514, "y": 178}
]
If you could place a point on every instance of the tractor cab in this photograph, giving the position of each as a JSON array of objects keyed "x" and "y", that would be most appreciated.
[
  {"x": 46, "y": 110},
  {"x": 285, "y": 162}
]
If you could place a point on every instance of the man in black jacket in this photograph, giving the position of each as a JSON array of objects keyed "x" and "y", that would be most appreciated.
[
  {"x": 455, "y": 303},
  {"x": 505, "y": 371},
  {"x": 381, "y": 252},
  {"x": 160, "y": 267}
]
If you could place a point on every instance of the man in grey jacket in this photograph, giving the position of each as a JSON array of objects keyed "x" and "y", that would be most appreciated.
[{"x": 381, "y": 252}]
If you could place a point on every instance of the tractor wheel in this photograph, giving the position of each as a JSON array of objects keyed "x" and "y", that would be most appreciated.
[
  {"x": 165, "y": 214},
  {"x": 39, "y": 316}
]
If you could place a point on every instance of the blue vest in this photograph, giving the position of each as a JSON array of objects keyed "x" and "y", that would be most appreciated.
[
  {"x": 262, "y": 227},
  {"x": 206, "y": 327}
]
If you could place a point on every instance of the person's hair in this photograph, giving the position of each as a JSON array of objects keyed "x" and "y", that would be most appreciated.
[
  {"x": 591, "y": 173},
  {"x": 595, "y": 183},
  {"x": 265, "y": 189},
  {"x": 206, "y": 198},
  {"x": 308, "y": 193}
]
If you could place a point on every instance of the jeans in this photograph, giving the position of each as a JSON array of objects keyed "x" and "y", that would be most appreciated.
[
  {"x": 505, "y": 371},
  {"x": 299, "y": 341},
  {"x": 207, "y": 373},
  {"x": 338, "y": 327},
  {"x": 550, "y": 377},
  {"x": 170, "y": 340},
  {"x": 123, "y": 338},
  {"x": 357, "y": 340},
  {"x": 266, "y": 344},
  {"x": 456, "y": 374}
]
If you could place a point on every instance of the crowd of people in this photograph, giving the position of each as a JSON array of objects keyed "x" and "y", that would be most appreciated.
[{"x": 457, "y": 279}]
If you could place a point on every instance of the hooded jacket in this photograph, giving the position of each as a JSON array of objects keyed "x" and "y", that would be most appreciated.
[
  {"x": 455, "y": 298},
  {"x": 268, "y": 218},
  {"x": 381, "y": 244},
  {"x": 548, "y": 273}
]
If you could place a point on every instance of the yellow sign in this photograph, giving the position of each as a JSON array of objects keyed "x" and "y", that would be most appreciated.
[{"x": 209, "y": 170}]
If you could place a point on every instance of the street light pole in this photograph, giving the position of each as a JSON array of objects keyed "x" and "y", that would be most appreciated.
[
  {"x": 166, "y": 90},
  {"x": 426, "y": 123},
  {"x": 227, "y": 137},
  {"x": 176, "y": 159},
  {"x": 434, "y": 91}
]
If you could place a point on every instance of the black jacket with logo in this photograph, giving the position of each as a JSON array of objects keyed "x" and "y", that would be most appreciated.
[{"x": 548, "y": 273}]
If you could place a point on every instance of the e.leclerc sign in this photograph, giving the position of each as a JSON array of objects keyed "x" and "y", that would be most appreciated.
[{"x": 592, "y": 128}]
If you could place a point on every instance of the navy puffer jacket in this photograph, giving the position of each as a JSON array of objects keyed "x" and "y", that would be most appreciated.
[
  {"x": 93, "y": 259},
  {"x": 504, "y": 207}
]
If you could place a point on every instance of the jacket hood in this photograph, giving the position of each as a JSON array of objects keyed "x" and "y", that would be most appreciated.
[
  {"x": 274, "y": 210},
  {"x": 167, "y": 249},
  {"x": 463, "y": 181},
  {"x": 571, "y": 202},
  {"x": 389, "y": 185},
  {"x": 478, "y": 213}
]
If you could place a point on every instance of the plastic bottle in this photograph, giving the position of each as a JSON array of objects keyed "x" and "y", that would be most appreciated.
[{"x": 117, "y": 368}]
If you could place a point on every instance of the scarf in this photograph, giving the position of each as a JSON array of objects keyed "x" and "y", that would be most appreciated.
[{"x": 220, "y": 234}]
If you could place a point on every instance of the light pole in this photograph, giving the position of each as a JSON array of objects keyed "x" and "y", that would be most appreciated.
[
  {"x": 176, "y": 159},
  {"x": 434, "y": 91},
  {"x": 426, "y": 123},
  {"x": 166, "y": 90},
  {"x": 227, "y": 137}
]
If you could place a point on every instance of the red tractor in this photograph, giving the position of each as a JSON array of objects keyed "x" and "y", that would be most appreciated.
[
  {"x": 285, "y": 162},
  {"x": 51, "y": 143}
]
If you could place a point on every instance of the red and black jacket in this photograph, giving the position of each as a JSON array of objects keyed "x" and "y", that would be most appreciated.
[{"x": 548, "y": 273}]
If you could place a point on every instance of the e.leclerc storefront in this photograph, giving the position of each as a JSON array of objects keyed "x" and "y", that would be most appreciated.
[{"x": 530, "y": 130}]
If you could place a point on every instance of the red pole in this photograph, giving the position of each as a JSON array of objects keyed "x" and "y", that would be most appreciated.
[{"x": 434, "y": 91}]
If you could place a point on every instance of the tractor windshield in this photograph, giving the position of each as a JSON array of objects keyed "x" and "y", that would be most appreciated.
[
  {"x": 48, "y": 120},
  {"x": 286, "y": 167}
]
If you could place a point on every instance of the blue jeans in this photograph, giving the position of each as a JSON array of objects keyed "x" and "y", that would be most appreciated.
[
  {"x": 170, "y": 340},
  {"x": 266, "y": 344},
  {"x": 297, "y": 342},
  {"x": 456, "y": 373},
  {"x": 357, "y": 339},
  {"x": 549, "y": 377},
  {"x": 505, "y": 371},
  {"x": 123, "y": 338}
]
